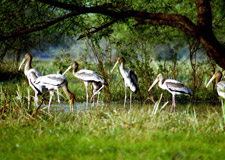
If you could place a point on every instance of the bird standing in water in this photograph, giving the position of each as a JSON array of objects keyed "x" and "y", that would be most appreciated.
[
  {"x": 31, "y": 74},
  {"x": 87, "y": 76},
  {"x": 129, "y": 77},
  {"x": 173, "y": 86},
  {"x": 53, "y": 82}
]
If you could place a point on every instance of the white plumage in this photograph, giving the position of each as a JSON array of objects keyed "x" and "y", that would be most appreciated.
[
  {"x": 221, "y": 89},
  {"x": 86, "y": 76},
  {"x": 53, "y": 82},
  {"x": 31, "y": 74},
  {"x": 220, "y": 86},
  {"x": 129, "y": 77},
  {"x": 89, "y": 76},
  {"x": 173, "y": 86}
]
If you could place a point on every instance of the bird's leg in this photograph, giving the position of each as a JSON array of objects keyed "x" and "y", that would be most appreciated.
[
  {"x": 93, "y": 100},
  {"x": 98, "y": 99},
  {"x": 86, "y": 86},
  {"x": 125, "y": 97},
  {"x": 173, "y": 103},
  {"x": 58, "y": 95},
  {"x": 98, "y": 91},
  {"x": 50, "y": 100},
  {"x": 222, "y": 107},
  {"x": 36, "y": 98},
  {"x": 130, "y": 98}
]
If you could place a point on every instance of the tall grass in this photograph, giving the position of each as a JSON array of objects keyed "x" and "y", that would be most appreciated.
[
  {"x": 149, "y": 131},
  {"x": 110, "y": 132}
]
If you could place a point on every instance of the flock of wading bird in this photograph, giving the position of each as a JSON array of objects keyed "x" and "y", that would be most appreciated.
[{"x": 49, "y": 83}]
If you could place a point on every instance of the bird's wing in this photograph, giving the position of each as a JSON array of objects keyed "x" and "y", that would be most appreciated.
[
  {"x": 32, "y": 75},
  {"x": 134, "y": 78},
  {"x": 221, "y": 89},
  {"x": 176, "y": 86},
  {"x": 88, "y": 75},
  {"x": 51, "y": 79}
]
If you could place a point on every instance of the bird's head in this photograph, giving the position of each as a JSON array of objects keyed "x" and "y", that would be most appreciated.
[
  {"x": 74, "y": 65},
  {"x": 119, "y": 61},
  {"x": 26, "y": 58},
  {"x": 217, "y": 75},
  {"x": 158, "y": 78}
]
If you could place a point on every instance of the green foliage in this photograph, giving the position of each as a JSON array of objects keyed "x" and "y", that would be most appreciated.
[{"x": 63, "y": 60}]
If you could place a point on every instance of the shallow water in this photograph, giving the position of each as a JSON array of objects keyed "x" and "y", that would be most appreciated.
[{"x": 81, "y": 106}]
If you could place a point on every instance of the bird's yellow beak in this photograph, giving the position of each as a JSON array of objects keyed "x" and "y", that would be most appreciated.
[
  {"x": 153, "y": 84},
  {"x": 67, "y": 70},
  {"x": 24, "y": 60},
  {"x": 117, "y": 62},
  {"x": 212, "y": 78}
]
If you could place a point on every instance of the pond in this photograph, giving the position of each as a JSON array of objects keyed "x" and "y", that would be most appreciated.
[{"x": 184, "y": 106}]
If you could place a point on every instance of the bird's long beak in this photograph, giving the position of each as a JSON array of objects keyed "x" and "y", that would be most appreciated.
[
  {"x": 22, "y": 63},
  {"x": 153, "y": 84},
  {"x": 67, "y": 70},
  {"x": 117, "y": 62},
  {"x": 212, "y": 78}
]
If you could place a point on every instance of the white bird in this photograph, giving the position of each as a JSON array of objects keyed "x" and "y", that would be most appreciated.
[
  {"x": 53, "y": 82},
  {"x": 129, "y": 77},
  {"x": 220, "y": 86},
  {"x": 31, "y": 74},
  {"x": 86, "y": 76},
  {"x": 173, "y": 86}
]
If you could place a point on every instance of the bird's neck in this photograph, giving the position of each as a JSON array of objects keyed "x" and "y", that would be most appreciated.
[
  {"x": 27, "y": 66},
  {"x": 75, "y": 70},
  {"x": 67, "y": 92},
  {"x": 161, "y": 83},
  {"x": 122, "y": 67},
  {"x": 218, "y": 79}
]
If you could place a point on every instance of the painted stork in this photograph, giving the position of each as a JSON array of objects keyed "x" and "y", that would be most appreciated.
[
  {"x": 172, "y": 86},
  {"x": 31, "y": 74},
  {"x": 220, "y": 86},
  {"x": 53, "y": 82},
  {"x": 129, "y": 77},
  {"x": 87, "y": 76}
]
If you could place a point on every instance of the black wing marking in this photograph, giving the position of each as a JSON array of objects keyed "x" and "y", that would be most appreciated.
[{"x": 134, "y": 79}]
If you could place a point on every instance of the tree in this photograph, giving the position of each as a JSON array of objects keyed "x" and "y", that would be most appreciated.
[{"x": 143, "y": 12}]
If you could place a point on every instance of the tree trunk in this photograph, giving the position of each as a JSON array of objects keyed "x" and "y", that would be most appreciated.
[{"x": 214, "y": 49}]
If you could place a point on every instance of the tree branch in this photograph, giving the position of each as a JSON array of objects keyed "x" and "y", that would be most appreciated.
[
  {"x": 174, "y": 25},
  {"x": 109, "y": 10},
  {"x": 37, "y": 28},
  {"x": 97, "y": 29}
]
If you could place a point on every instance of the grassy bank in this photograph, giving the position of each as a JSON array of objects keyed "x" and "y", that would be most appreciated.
[{"x": 193, "y": 132}]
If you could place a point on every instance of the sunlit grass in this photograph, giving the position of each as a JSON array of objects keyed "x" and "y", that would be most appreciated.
[
  {"x": 110, "y": 132},
  {"x": 148, "y": 131}
]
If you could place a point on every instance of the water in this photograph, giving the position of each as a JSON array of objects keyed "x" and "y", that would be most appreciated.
[{"x": 81, "y": 106}]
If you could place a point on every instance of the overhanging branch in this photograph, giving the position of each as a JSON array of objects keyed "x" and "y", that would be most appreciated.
[
  {"x": 109, "y": 10},
  {"x": 97, "y": 29},
  {"x": 37, "y": 28}
]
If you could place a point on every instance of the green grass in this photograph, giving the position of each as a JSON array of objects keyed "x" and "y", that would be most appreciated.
[
  {"x": 113, "y": 133},
  {"x": 195, "y": 131}
]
